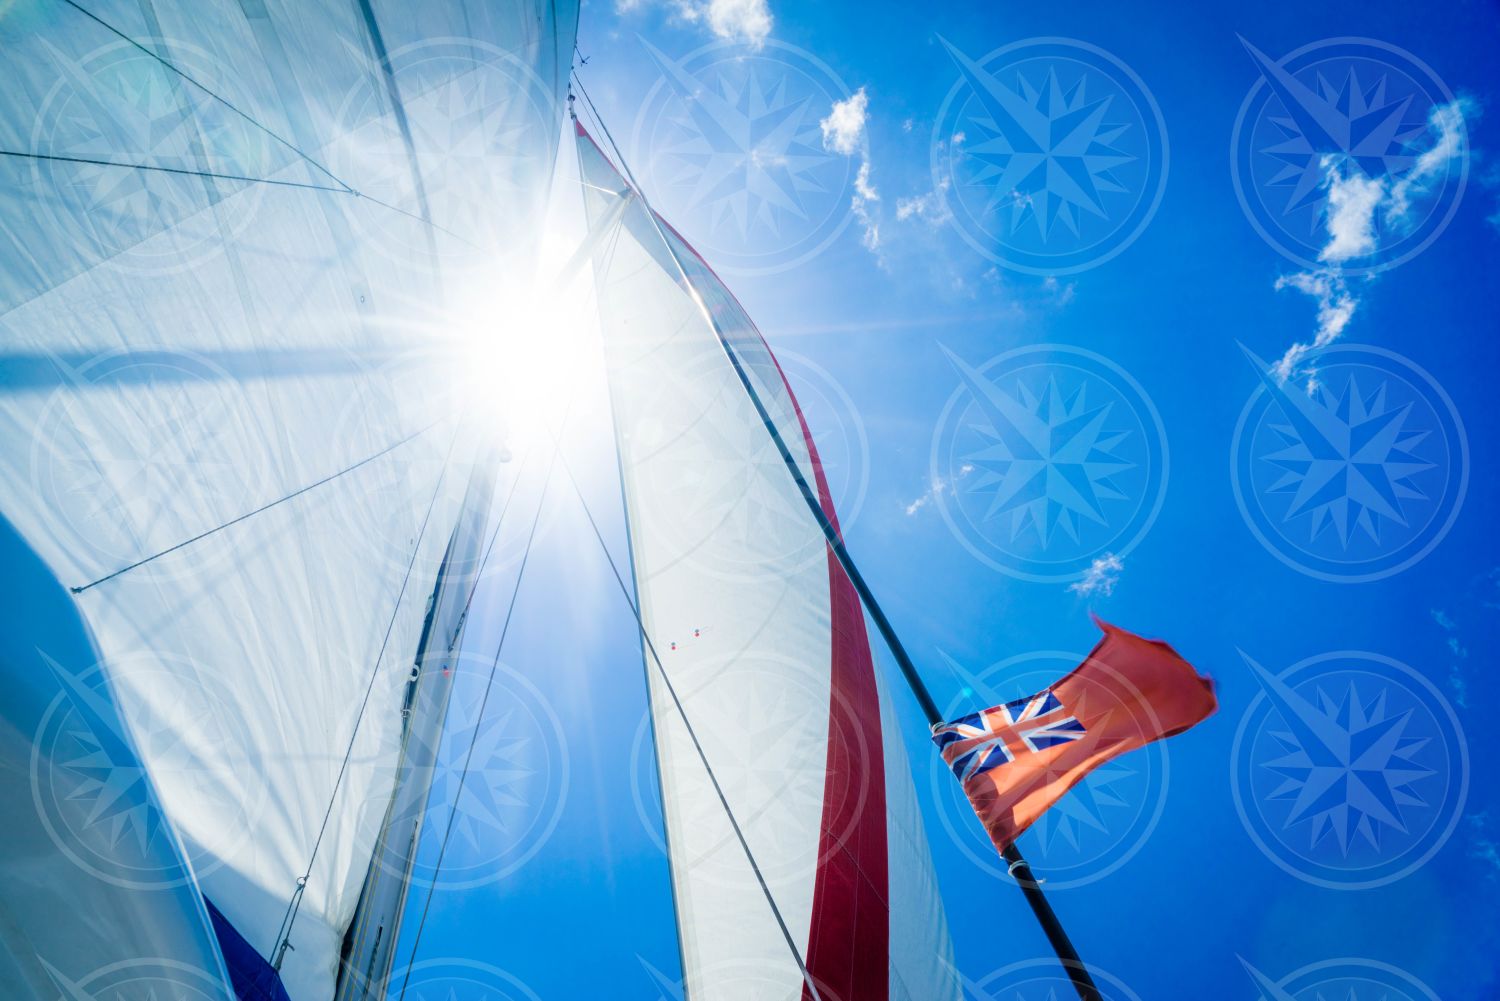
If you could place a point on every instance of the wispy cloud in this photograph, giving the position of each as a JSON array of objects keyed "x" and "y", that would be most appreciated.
[
  {"x": 845, "y": 132},
  {"x": 936, "y": 488},
  {"x": 1457, "y": 682},
  {"x": 747, "y": 21},
  {"x": 1360, "y": 210},
  {"x": 1482, "y": 846},
  {"x": 929, "y": 208},
  {"x": 1336, "y": 307},
  {"x": 1100, "y": 578}
]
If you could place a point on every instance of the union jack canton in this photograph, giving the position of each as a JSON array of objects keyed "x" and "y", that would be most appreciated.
[{"x": 1015, "y": 728}]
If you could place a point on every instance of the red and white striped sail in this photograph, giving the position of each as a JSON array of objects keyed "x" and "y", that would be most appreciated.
[{"x": 828, "y": 890}]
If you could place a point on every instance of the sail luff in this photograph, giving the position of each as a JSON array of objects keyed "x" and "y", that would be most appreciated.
[
  {"x": 596, "y": 228},
  {"x": 781, "y": 673}
]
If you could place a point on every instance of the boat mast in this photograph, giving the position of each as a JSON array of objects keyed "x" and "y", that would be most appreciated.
[{"x": 369, "y": 948}]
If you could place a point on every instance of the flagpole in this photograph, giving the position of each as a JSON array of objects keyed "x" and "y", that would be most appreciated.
[{"x": 1019, "y": 868}]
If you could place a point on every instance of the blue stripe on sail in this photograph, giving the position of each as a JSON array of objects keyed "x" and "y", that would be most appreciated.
[{"x": 249, "y": 973}]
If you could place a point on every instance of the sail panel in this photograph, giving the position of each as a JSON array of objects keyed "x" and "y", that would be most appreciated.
[
  {"x": 762, "y": 639},
  {"x": 235, "y": 324}
]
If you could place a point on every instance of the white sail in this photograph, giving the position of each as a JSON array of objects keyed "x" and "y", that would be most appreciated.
[
  {"x": 243, "y": 247},
  {"x": 766, "y": 683}
]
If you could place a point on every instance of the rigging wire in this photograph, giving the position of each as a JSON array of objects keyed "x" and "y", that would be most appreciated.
[
  {"x": 344, "y": 188},
  {"x": 692, "y": 734},
  {"x": 175, "y": 170},
  {"x": 640, "y": 622},
  {"x": 284, "y": 935},
  {"x": 294, "y": 906},
  {"x": 217, "y": 97},
  {"x": 79, "y": 589},
  {"x": 483, "y": 703}
]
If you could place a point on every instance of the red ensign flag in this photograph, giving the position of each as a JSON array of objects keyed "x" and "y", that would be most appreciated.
[{"x": 1017, "y": 759}]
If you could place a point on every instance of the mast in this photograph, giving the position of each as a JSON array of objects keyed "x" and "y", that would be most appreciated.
[{"x": 369, "y": 948}]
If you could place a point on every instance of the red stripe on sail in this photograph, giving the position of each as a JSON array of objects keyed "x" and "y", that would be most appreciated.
[{"x": 848, "y": 947}]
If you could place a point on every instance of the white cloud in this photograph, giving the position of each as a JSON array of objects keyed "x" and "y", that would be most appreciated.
[
  {"x": 1360, "y": 209},
  {"x": 747, "y": 21},
  {"x": 844, "y": 128},
  {"x": 1100, "y": 578},
  {"x": 844, "y": 133},
  {"x": 937, "y": 488},
  {"x": 929, "y": 208},
  {"x": 743, "y": 20},
  {"x": 1352, "y": 201},
  {"x": 1336, "y": 307},
  {"x": 1447, "y": 121},
  {"x": 864, "y": 195}
]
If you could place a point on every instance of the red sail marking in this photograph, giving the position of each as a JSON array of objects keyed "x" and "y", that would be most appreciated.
[{"x": 848, "y": 948}]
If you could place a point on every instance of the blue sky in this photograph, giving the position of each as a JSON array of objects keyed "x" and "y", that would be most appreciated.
[{"x": 862, "y": 318}]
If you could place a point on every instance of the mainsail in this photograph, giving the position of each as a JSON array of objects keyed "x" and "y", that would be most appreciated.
[
  {"x": 799, "y": 863},
  {"x": 243, "y": 247}
]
